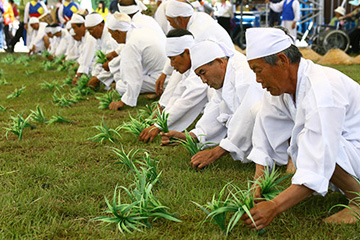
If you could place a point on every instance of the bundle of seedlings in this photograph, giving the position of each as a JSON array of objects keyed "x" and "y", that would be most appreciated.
[
  {"x": 135, "y": 126},
  {"x": 149, "y": 166},
  {"x": 51, "y": 86},
  {"x": 2, "y": 108},
  {"x": 59, "y": 119},
  {"x": 62, "y": 101},
  {"x": 101, "y": 57},
  {"x": 4, "y": 82},
  {"x": 106, "y": 133},
  {"x": 16, "y": 93},
  {"x": 45, "y": 54},
  {"x": 127, "y": 159},
  {"x": 38, "y": 115},
  {"x": 18, "y": 125},
  {"x": 161, "y": 120},
  {"x": 336, "y": 56},
  {"x": 191, "y": 144},
  {"x": 81, "y": 87},
  {"x": 107, "y": 98},
  {"x": 23, "y": 60},
  {"x": 8, "y": 59},
  {"x": 29, "y": 73},
  {"x": 48, "y": 65},
  {"x": 149, "y": 111}
]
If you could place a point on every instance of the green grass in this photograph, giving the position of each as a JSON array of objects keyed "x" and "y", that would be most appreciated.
[{"x": 53, "y": 182}]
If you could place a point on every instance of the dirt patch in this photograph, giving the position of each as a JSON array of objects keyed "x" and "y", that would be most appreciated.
[
  {"x": 310, "y": 54},
  {"x": 336, "y": 56}
]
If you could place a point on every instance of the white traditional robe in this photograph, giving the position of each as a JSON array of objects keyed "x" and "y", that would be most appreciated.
[
  {"x": 142, "y": 59},
  {"x": 27, "y": 18},
  {"x": 37, "y": 38},
  {"x": 74, "y": 48},
  {"x": 63, "y": 44},
  {"x": 106, "y": 44},
  {"x": 323, "y": 123},
  {"x": 144, "y": 21},
  {"x": 229, "y": 117},
  {"x": 187, "y": 101},
  {"x": 87, "y": 54},
  {"x": 160, "y": 17}
]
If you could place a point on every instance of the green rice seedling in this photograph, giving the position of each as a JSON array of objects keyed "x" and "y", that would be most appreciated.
[
  {"x": 191, "y": 145},
  {"x": 269, "y": 183},
  {"x": 29, "y": 73},
  {"x": 106, "y": 134},
  {"x": 74, "y": 97},
  {"x": 353, "y": 202},
  {"x": 61, "y": 101},
  {"x": 48, "y": 66},
  {"x": 61, "y": 68},
  {"x": 150, "y": 167},
  {"x": 101, "y": 57},
  {"x": 68, "y": 80},
  {"x": 69, "y": 63},
  {"x": 18, "y": 125},
  {"x": 58, "y": 119},
  {"x": 46, "y": 54},
  {"x": 128, "y": 159},
  {"x": 9, "y": 59},
  {"x": 149, "y": 111},
  {"x": 22, "y": 60},
  {"x": 50, "y": 86},
  {"x": 16, "y": 93},
  {"x": 2, "y": 108},
  {"x": 108, "y": 98},
  {"x": 125, "y": 215},
  {"x": 212, "y": 209},
  {"x": 161, "y": 120},
  {"x": 81, "y": 87},
  {"x": 134, "y": 126},
  {"x": 2, "y": 73},
  {"x": 58, "y": 60},
  {"x": 38, "y": 115},
  {"x": 4, "y": 82}
]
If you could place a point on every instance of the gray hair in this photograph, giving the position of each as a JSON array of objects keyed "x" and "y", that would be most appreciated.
[{"x": 292, "y": 53}]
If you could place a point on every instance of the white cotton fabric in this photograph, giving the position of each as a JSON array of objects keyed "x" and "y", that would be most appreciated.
[
  {"x": 143, "y": 21},
  {"x": 187, "y": 101},
  {"x": 179, "y": 9},
  {"x": 206, "y": 51},
  {"x": 142, "y": 59},
  {"x": 48, "y": 29},
  {"x": 57, "y": 29},
  {"x": 177, "y": 45},
  {"x": 37, "y": 38},
  {"x": 261, "y": 42},
  {"x": 72, "y": 32},
  {"x": 323, "y": 124},
  {"x": 229, "y": 117},
  {"x": 131, "y": 9},
  {"x": 160, "y": 17},
  {"x": 87, "y": 53},
  {"x": 77, "y": 19},
  {"x": 63, "y": 44},
  {"x": 68, "y": 25},
  {"x": 93, "y": 19},
  {"x": 34, "y": 20},
  {"x": 119, "y": 21}
]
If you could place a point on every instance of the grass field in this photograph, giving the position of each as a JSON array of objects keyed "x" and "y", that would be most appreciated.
[{"x": 53, "y": 182}]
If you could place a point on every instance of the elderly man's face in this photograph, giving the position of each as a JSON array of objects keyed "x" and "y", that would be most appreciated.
[
  {"x": 213, "y": 73},
  {"x": 96, "y": 31},
  {"x": 79, "y": 30},
  {"x": 273, "y": 78},
  {"x": 181, "y": 63},
  {"x": 35, "y": 26},
  {"x": 120, "y": 37}
]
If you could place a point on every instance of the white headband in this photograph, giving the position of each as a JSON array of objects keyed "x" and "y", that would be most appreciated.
[
  {"x": 33, "y": 20},
  {"x": 56, "y": 29},
  {"x": 93, "y": 19},
  {"x": 262, "y": 42},
  {"x": 72, "y": 32},
  {"x": 48, "y": 29},
  {"x": 177, "y": 45},
  {"x": 77, "y": 19},
  {"x": 131, "y": 9},
  {"x": 206, "y": 51},
  {"x": 68, "y": 25},
  {"x": 176, "y": 8},
  {"x": 119, "y": 21}
]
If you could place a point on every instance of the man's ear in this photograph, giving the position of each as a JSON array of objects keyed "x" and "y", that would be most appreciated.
[{"x": 283, "y": 59}]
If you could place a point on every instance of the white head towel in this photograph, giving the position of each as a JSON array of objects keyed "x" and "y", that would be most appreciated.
[
  {"x": 179, "y": 9},
  {"x": 177, "y": 45}
]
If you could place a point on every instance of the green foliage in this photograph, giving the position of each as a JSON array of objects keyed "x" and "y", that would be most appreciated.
[
  {"x": 29, "y": 72},
  {"x": 4, "y": 82},
  {"x": 62, "y": 101},
  {"x": 81, "y": 88},
  {"x": 68, "y": 80},
  {"x": 191, "y": 145},
  {"x": 58, "y": 119},
  {"x": 101, "y": 57},
  {"x": 108, "y": 98},
  {"x": 23, "y": 60},
  {"x": 48, "y": 66},
  {"x": 2, "y": 108},
  {"x": 51, "y": 86},
  {"x": 161, "y": 120},
  {"x": 128, "y": 159},
  {"x": 135, "y": 126},
  {"x": 150, "y": 168},
  {"x": 18, "y": 125},
  {"x": 16, "y": 93},
  {"x": 106, "y": 134},
  {"x": 46, "y": 54},
  {"x": 38, "y": 115},
  {"x": 75, "y": 97},
  {"x": 8, "y": 59}
]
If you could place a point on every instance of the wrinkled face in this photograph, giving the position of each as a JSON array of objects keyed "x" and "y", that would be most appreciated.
[
  {"x": 35, "y": 26},
  {"x": 120, "y": 37},
  {"x": 213, "y": 73},
  {"x": 275, "y": 79},
  {"x": 79, "y": 31},
  {"x": 182, "y": 62},
  {"x": 96, "y": 31}
]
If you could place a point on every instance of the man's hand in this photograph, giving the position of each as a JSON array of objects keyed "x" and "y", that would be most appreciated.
[
  {"x": 116, "y": 105},
  {"x": 93, "y": 82},
  {"x": 165, "y": 137},
  {"x": 159, "y": 85},
  {"x": 206, "y": 157},
  {"x": 111, "y": 55},
  {"x": 105, "y": 66},
  {"x": 293, "y": 26},
  {"x": 263, "y": 213},
  {"x": 148, "y": 134}
]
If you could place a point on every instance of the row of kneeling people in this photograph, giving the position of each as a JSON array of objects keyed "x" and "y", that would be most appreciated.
[{"x": 263, "y": 108}]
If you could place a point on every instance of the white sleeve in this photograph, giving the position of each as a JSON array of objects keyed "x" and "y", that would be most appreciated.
[
  {"x": 61, "y": 14},
  {"x": 26, "y": 13},
  {"x": 296, "y": 9},
  {"x": 272, "y": 130},
  {"x": 277, "y": 7},
  {"x": 61, "y": 49},
  {"x": 240, "y": 127},
  {"x": 87, "y": 55},
  {"x": 168, "y": 69},
  {"x": 131, "y": 72},
  {"x": 39, "y": 38}
]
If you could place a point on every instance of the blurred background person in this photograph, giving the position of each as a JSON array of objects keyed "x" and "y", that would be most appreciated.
[
  {"x": 224, "y": 13},
  {"x": 66, "y": 10},
  {"x": 102, "y": 9}
]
